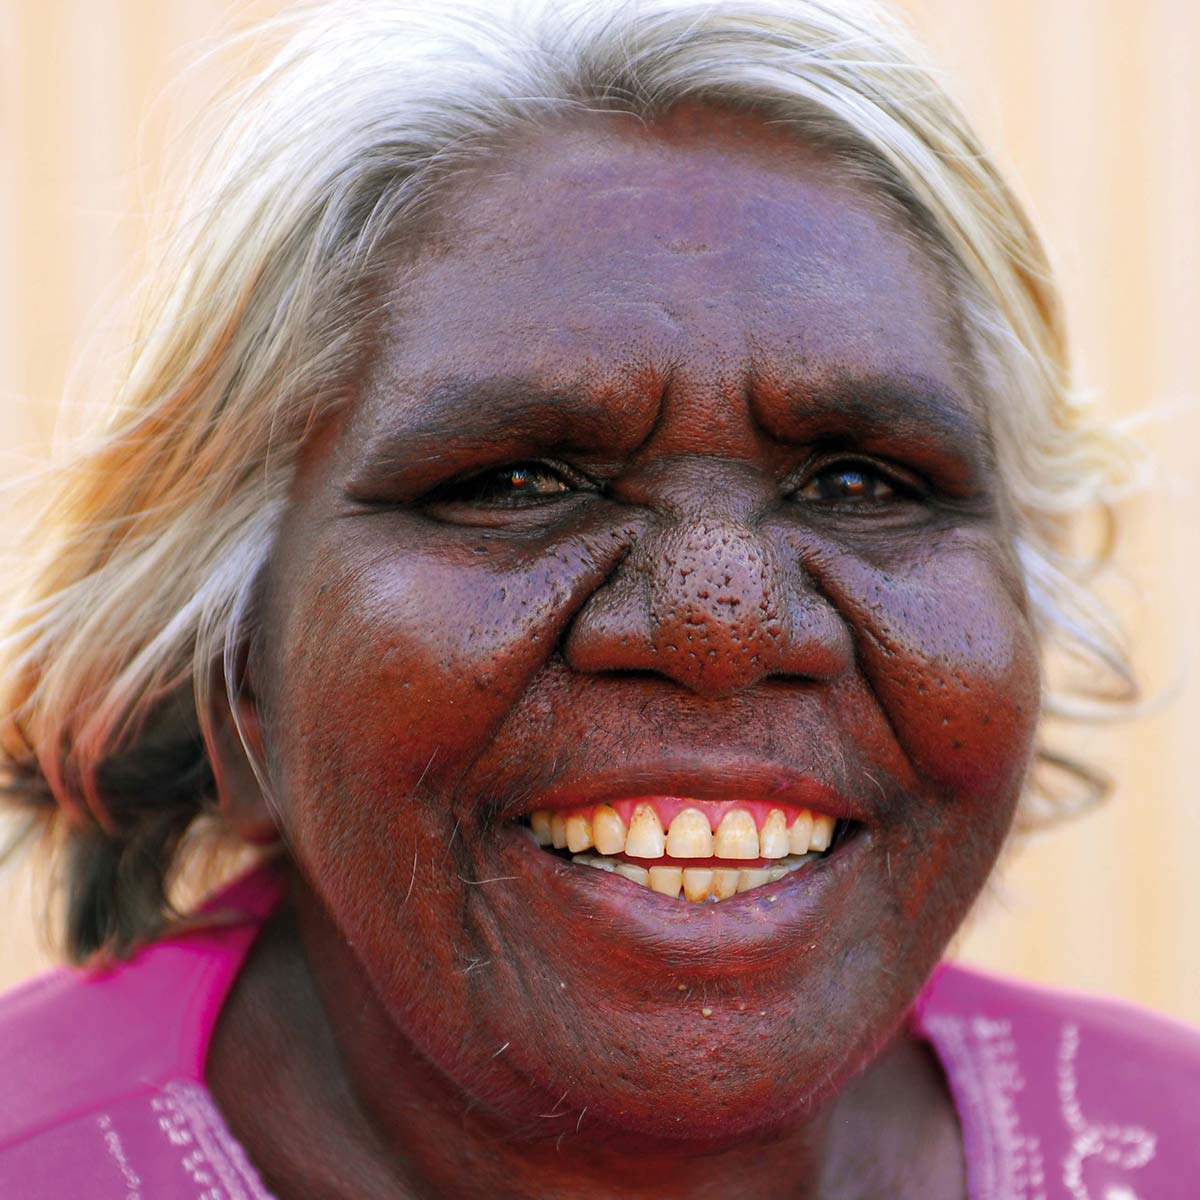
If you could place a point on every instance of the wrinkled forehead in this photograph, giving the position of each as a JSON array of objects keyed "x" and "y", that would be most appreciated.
[{"x": 607, "y": 254}]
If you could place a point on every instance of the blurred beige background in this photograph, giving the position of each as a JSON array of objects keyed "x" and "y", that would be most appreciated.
[{"x": 1094, "y": 105}]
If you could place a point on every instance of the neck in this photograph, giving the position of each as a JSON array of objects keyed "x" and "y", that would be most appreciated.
[{"x": 295, "y": 1068}]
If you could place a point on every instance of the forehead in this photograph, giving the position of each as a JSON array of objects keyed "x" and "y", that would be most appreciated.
[{"x": 608, "y": 253}]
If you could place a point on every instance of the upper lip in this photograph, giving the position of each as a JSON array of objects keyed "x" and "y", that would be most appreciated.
[{"x": 698, "y": 779}]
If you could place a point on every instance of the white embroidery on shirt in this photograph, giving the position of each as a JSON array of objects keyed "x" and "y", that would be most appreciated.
[
  {"x": 1125, "y": 1147},
  {"x": 980, "y": 1055},
  {"x": 214, "y": 1161},
  {"x": 116, "y": 1151}
]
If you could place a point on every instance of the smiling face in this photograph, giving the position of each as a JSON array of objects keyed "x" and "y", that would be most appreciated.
[{"x": 669, "y": 479}]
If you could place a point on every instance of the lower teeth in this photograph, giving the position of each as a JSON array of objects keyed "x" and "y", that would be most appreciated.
[{"x": 698, "y": 884}]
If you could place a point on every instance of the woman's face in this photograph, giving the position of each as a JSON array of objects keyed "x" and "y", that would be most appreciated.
[{"x": 669, "y": 478}]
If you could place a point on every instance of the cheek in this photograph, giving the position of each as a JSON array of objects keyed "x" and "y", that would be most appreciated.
[
  {"x": 403, "y": 658},
  {"x": 948, "y": 650}
]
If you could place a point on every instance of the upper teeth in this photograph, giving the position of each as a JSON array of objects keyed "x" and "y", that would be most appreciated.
[{"x": 689, "y": 834}]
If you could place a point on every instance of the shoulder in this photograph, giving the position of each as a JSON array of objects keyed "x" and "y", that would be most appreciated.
[
  {"x": 1118, "y": 1035},
  {"x": 1064, "y": 1094},
  {"x": 102, "y": 1093},
  {"x": 74, "y": 1041}
]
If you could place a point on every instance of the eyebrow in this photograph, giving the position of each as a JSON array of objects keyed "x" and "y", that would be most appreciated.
[
  {"x": 498, "y": 404},
  {"x": 463, "y": 417},
  {"x": 877, "y": 407},
  {"x": 460, "y": 417}
]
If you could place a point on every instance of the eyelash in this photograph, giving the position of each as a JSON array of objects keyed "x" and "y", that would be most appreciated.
[
  {"x": 473, "y": 488},
  {"x": 902, "y": 485}
]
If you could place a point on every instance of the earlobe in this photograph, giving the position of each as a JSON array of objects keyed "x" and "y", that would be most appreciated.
[{"x": 234, "y": 742}]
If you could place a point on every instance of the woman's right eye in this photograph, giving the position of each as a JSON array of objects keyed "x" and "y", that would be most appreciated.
[{"x": 513, "y": 486}]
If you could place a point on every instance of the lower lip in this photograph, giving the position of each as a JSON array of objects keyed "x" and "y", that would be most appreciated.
[{"x": 726, "y": 937}]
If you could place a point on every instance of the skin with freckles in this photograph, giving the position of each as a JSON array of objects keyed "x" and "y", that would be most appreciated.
[{"x": 669, "y": 474}]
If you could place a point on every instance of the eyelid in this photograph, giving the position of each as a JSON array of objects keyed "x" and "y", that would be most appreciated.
[
  {"x": 571, "y": 475},
  {"x": 904, "y": 479}
]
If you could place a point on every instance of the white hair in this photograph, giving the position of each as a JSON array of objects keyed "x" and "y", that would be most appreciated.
[{"x": 146, "y": 558}]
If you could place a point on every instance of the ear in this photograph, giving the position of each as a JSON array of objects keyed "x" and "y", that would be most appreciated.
[{"x": 241, "y": 800}]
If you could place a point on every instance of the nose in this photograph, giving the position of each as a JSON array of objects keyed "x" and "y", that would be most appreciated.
[{"x": 708, "y": 603}]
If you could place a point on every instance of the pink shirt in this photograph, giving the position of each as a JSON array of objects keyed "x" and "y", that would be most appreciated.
[{"x": 1060, "y": 1097}]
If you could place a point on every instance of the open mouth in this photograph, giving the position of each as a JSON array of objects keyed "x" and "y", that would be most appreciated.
[{"x": 697, "y": 850}]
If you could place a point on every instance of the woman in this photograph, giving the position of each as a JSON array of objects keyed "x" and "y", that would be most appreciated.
[{"x": 588, "y": 497}]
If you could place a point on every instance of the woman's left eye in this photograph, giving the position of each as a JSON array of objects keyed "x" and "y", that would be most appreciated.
[
  {"x": 854, "y": 483},
  {"x": 508, "y": 486}
]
